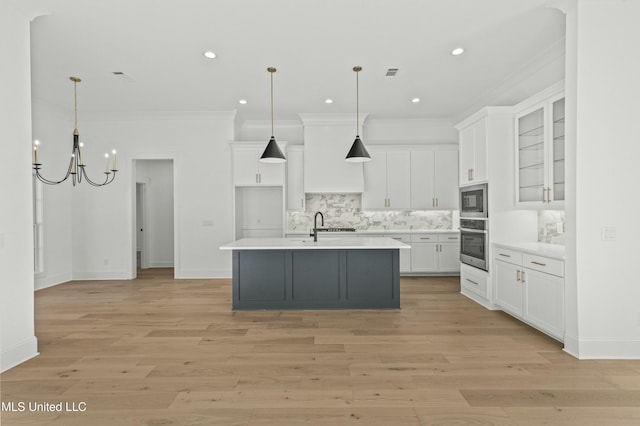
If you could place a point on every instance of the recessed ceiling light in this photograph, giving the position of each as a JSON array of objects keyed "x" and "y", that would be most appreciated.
[
  {"x": 328, "y": 101},
  {"x": 242, "y": 101},
  {"x": 457, "y": 51},
  {"x": 415, "y": 100},
  {"x": 209, "y": 54}
]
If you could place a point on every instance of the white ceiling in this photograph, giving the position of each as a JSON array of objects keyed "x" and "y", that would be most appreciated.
[{"x": 314, "y": 44}]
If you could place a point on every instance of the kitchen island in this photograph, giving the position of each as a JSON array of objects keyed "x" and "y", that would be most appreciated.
[{"x": 331, "y": 273}]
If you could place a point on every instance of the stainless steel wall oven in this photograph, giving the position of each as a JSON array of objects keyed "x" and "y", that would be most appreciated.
[{"x": 474, "y": 242}]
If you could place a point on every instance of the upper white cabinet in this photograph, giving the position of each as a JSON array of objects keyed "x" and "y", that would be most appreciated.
[
  {"x": 387, "y": 180},
  {"x": 295, "y": 177},
  {"x": 473, "y": 152},
  {"x": 249, "y": 171},
  {"x": 434, "y": 179},
  {"x": 540, "y": 150}
]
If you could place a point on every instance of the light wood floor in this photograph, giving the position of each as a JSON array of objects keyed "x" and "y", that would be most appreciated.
[{"x": 158, "y": 351}]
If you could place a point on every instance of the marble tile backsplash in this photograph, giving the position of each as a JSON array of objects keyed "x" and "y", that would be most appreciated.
[
  {"x": 551, "y": 226},
  {"x": 344, "y": 210}
]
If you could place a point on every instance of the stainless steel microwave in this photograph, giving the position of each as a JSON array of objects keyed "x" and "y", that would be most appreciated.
[{"x": 474, "y": 201}]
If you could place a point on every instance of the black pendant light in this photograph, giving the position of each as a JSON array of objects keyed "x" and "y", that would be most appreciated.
[
  {"x": 358, "y": 153},
  {"x": 272, "y": 153}
]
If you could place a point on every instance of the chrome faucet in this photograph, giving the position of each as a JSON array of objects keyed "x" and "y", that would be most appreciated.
[{"x": 314, "y": 234}]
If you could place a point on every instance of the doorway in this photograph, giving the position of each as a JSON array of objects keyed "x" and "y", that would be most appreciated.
[{"x": 154, "y": 240}]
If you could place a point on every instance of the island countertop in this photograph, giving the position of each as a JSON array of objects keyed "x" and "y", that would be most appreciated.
[{"x": 309, "y": 244}]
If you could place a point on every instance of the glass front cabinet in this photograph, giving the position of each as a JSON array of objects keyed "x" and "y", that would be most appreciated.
[{"x": 540, "y": 154}]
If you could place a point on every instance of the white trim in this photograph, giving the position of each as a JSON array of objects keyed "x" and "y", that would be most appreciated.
[
  {"x": 606, "y": 348},
  {"x": 480, "y": 300},
  {"x": 166, "y": 264},
  {"x": 18, "y": 353},
  {"x": 319, "y": 119},
  {"x": 101, "y": 275},
  {"x": 203, "y": 274},
  {"x": 484, "y": 112},
  {"x": 46, "y": 281}
]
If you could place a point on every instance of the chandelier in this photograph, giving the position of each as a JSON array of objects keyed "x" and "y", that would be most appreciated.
[{"x": 77, "y": 168}]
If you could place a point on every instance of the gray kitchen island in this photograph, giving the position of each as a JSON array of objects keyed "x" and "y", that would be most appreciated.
[{"x": 333, "y": 273}]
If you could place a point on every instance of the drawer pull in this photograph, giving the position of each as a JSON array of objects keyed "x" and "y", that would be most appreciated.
[
  {"x": 453, "y": 238},
  {"x": 538, "y": 263},
  {"x": 471, "y": 281},
  {"x": 425, "y": 238},
  {"x": 505, "y": 255},
  {"x": 518, "y": 276},
  {"x": 397, "y": 238}
]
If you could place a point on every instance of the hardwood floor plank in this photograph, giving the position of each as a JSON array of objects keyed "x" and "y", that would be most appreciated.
[{"x": 159, "y": 351}]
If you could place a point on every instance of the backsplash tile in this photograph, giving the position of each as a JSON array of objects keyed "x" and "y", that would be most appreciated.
[
  {"x": 344, "y": 210},
  {"x": 548, "y": 221}
]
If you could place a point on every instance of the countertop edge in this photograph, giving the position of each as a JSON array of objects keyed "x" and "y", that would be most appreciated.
[{"x": 551, "y": 251}]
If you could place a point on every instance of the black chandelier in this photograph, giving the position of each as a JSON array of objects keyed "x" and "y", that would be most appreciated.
[{"x": 76, "y": 169}]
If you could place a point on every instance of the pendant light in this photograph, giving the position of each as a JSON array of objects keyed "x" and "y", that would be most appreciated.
[
  {"x": 272, "y": 153},
  {"x": 358, "y": 153}
]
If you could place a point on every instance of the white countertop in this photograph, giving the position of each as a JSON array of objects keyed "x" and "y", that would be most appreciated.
[
  {"x": 326, "y": 243},
  {"x": 552, "y": 251},
  {"x": 379, "y": 231}
]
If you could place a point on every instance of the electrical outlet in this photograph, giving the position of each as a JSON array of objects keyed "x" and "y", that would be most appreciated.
[{"x": 608, "y": 233}]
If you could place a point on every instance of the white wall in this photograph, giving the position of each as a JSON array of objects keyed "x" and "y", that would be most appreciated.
[
  {"x": 17, "y": 340},
  {"x": 53, "y": 127},
  {"x": 103, "y": 234},
  {"x": 157, "y": 176},
  {"x": 603, "y": 151}
]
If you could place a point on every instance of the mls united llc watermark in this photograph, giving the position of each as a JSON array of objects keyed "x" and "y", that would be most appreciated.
[{"x": 44, "y": 407}]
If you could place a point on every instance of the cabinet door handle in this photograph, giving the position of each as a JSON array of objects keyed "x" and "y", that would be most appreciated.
[
  {"x": 301, "y": 202},
  {"x": 471, "y": 281},
  {"x": 433, "y": 202},
  {"x": 523, "y": 276},
  {"x": 471, "y": 174},
  {"x": 504, "y": 255},
  {"x": 425, "y": 238},
  {"x": 257, "y": 181},
  {"x": 544, "y": 195},
  {"x": 518, "y": 276},
  {"x": 436, "y": 201},
  {"x": 538, "y": 263},
  {"x": 548, "y": 195}
]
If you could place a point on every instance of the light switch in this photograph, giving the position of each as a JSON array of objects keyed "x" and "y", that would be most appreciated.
[{"x": 608, "y": 233}]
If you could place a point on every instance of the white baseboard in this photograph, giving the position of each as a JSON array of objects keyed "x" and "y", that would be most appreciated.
[
  {"x": 202, "y": 273},
  {"x": 101, "y": 276},
  {"x": 168, "y": 264},
  {"x": 18, "y": 353},
  {"x": 480, "y": 300},
  {"x": 51, "y": 280},
  {"x": 604, "y": 348}
]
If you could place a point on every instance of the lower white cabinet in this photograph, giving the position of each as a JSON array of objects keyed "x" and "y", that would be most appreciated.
[
  {"x": 473, "y": 283},
  {"x": 531, "y": 288},
  {"x": 433, "y": 252}
]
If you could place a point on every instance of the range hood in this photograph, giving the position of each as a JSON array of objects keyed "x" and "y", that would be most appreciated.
[{"x": 327, "y": 139}]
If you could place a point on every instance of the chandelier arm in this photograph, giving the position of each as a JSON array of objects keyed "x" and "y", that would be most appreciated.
[
  {"x": 42, "y": 179},
  {"x": 107, "y": 181}
]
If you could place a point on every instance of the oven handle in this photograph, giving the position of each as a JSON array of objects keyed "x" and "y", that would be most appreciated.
[{"x": 474, "y": 231}]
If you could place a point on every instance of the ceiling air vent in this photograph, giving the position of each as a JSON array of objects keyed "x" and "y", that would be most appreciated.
[{"x": 391, "y": 72}]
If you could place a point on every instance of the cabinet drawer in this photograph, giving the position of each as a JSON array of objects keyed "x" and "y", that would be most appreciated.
[
  {"x": 405, "y": 238},
  {"x": 507, "y": 255},
  {"x": 424, "y": 238},
  {"x": 475, "y": 282},
  {"x": 454, "y": 237},
  {"x": 543, "y": 264}
]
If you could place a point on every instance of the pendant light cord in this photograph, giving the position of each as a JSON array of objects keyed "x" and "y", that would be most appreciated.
[
  {"x": 75, "y": 104},
  {"x": 357, "y": 69},
  {"x": 271, "y": 71}
]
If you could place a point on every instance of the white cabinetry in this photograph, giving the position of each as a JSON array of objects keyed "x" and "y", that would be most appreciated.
[
  {"x": 295, "y": 178},
  {"x": 531, "y": 288},
  {"x": 387, "y": 180},
  {"x": 473, "y": 283},
  {"x": 249, "y": 171},
  {"x": 473, "y": 152},
  {"x": 434, "y": 179},
  {"x": 540, "y": 150},
  {"x": 434, "y": 252}
]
